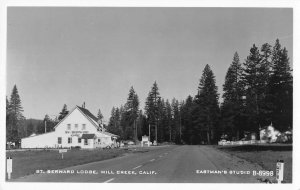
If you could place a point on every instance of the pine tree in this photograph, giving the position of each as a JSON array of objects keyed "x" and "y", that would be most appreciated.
[
  {"x": 131, "y": 114},
  {"x": 280, "y": 94},
  {"x": 30, "y": 129},
  {"x": 233, "y": 87},
  {"x": 152, "y": 109},
  {"x": 15, "y": 104},
  {"x": 265, "y": 71},
  {"x": 175, "y": 120},
  {"x": 187, "y": 123},
  {"x": 132, "y": 104},
  {"x": 15, "y": 122},
  {"x": 49, "y": 124},
  {"x": 162, "y": 120},
  {"x": 123, "y": 122},
  {"x": 64, "y": 112},
  {"x": 140, "y": 125},
  {"x": 232, "y": 107},
  {"x": 112, "y": 124},
  {"x": 9, "y": 126},
  {"x": 253, "y": 89},
  {"x": 41, "y": 127},
  {"x": 206, "y": 113},
  {"x": 168, "y": 113},
  {"x": 266, "y": 58},
  {"x": 151, "y": 106}
]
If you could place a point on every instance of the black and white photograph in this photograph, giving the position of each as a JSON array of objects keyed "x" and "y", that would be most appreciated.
[{"x": 105, "y": 94}]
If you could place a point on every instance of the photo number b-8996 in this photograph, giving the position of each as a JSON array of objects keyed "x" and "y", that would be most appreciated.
[{"x": 263, "y": 173}]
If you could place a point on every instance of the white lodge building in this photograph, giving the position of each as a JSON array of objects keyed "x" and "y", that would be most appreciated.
[{"x": 78, "y": 128}]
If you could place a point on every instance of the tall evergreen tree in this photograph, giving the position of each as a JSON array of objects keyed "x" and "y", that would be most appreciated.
[
  {"x": 206, "y": 113},
  {"x": 64, "y": 112},
  {"x": 232, "y": 106},
  {"x": 9, "y": 126},
  {"x": 161, "y": 123},
  {"x": 141, "y": 125},
  {"x": 49, "y": 124},
  {"x": 266, "y": 60},
  {"x": 169, "y": 127},
  {"x": 175, "y": 120},
  {"x": 152, "y": 109},
  {"x": 188, "y": 127},
  {"x": 280, "y": 95},
  {"x": 254, "y": 89},
  {"x": 15, "y": 122},
  {"x": 131, "y": 114},
  {"x": 114, "y": 122},
  {"x": 30, "y": 128},
  {"x": 233, "y": 87},
  {"x": 265, "y": 72}
]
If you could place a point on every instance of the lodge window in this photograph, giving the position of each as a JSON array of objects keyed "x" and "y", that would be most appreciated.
[
  {"x": 79, "y": 140},
  {"x": 69, "y": 127},
  {"x": 86, "y": 142},
  {"x": 69, "y": 140},
  {"x": 76, "y": 126},
  {"x": 59, "y": 140},
  {"x": 83, "y": 126}
]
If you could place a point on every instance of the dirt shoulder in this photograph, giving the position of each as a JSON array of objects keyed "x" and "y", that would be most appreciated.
[
  {"x": 230, "y": 162},
  {"x": 264, "y": 157}
]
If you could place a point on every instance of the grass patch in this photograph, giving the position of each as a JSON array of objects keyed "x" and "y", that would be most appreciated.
[
  {"x": 27, "y": 162},
  {"x": 264, "y": 155}
]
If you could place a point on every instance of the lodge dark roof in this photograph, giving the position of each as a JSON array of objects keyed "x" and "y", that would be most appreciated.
[
  {"x": 110, "y": 134},
  {"x": 88, "y": 113},
  {"x": 88, "y": 136}
]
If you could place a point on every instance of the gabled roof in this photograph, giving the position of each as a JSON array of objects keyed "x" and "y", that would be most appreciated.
[
  {"x": 88, "y": 113},
  {"x": 85, "y": 112},
  {"x": 88, "y": 136},
  {"x": 93, "y": 119}
]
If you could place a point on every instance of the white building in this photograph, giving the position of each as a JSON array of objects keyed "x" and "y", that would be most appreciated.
[{"x": 78, "y": 128}]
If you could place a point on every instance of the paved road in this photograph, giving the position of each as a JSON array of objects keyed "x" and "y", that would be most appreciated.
[{"x": 167, "y": 165}]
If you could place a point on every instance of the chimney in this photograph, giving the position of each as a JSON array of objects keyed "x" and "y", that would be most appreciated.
[{"x": 83, "y": 105}]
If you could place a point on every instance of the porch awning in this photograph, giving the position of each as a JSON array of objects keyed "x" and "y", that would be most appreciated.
[{"x": 88, "y": 136}]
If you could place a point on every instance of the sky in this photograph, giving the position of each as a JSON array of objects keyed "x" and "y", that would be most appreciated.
[{"x": 60, "y": 56}]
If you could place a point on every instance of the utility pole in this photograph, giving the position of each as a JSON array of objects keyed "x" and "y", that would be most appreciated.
[
  {"x": 180, "y": 124},
  {"x": 45, "y": 126},
  {"x": 134, "y": 130},
  {"x": 149, "y": 133},
  {"x": 155, "y": 115},
  {"x": 156, "y": 131}
]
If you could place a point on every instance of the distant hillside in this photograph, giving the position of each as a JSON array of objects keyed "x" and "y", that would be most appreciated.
[{"x": 34, "y": 122}]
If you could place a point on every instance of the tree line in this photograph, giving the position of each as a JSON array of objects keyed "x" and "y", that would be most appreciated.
[{"x": 256, "y": 92}]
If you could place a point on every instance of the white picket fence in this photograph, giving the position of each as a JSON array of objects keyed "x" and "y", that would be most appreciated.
[{"x": 224, "y": 143}]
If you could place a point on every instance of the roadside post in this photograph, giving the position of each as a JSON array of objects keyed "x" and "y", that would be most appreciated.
[
  {"x": 61, "y": 151},
  {"x": 279, "y": 170},
  {"x": 9, "y": 167}
]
